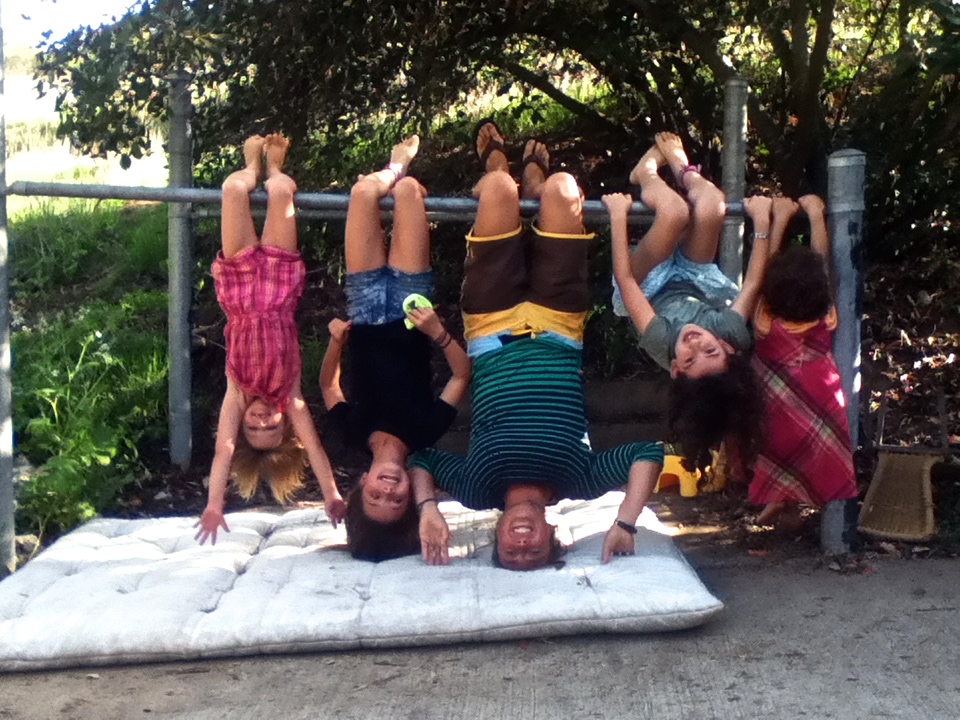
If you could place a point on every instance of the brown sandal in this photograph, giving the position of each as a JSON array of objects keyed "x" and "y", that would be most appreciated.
[{"x": 492, "y": 145}]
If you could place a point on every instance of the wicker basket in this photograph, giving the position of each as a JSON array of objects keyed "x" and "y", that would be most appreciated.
[{"x": 899, "y": 501}]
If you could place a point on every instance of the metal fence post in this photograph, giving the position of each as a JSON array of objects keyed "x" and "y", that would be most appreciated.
[
  {"x": 733, "y": 156},
  {"x": 8, "y": 554},
  {"x": 180, "y": 284},
  {"x": 846, "y": 170}
]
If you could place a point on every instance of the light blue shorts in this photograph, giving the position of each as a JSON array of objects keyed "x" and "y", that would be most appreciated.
[
  {"x": 708, "y": 277},
  {"x": 490, "y": 343},
  {"x": 375, "y": 297}
]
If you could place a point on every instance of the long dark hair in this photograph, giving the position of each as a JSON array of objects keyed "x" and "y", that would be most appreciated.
[
  {"x": 370, "y": 540},
  {"x": 703, "y": 412}
]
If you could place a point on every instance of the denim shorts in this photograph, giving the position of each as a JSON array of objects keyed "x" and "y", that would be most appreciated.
[
  {"x": 375, "y": 297},
  {"x": 708, "y": 278}
]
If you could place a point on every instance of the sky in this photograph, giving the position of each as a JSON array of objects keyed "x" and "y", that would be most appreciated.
[{"x": 25, "y": 21}]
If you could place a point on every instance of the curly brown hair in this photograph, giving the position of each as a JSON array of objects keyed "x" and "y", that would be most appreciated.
[
  {"x": 370, "y": 540},
  {"x": 282, "y": 467},
  {"x": 703, "y": 412},
  {"x": 796, "y": 286}
]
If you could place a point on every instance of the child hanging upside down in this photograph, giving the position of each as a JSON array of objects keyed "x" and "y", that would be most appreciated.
[
  {"x": 265, "y": 428},
  {"x": 806, "y": 457},
  {"x": 692, "y": 318},
  {"x": 391, "y": 409},
  {"x": 525, "y": 299}
]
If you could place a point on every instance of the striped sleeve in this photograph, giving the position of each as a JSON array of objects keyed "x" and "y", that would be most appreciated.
[
  {"x": 610, "y": 469},
  {"x": 446, "y": 468}
]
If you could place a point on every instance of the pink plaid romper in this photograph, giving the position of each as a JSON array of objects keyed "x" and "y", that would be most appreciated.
[{"x": 258, "y": 290}]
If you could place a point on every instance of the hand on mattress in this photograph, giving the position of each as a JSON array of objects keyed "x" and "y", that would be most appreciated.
[
  {"x": 434, "y": 536},
  {"x": 617, "y": 542},
  {"x": 336, "y": 509},
  {"x": 210, "y": 523}
]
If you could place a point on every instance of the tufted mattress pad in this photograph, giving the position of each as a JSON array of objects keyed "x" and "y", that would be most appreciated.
[{"x": 124, "y": 591}]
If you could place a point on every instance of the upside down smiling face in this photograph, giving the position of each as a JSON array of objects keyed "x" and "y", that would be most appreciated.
[
  {"x": 385, "y": 491},
  {"x": 524, "y": 537},
  {"x": 699, "y": 353}
]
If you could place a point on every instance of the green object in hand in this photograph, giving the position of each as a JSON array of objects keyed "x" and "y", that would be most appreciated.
[{"x": 412, "y": 301}]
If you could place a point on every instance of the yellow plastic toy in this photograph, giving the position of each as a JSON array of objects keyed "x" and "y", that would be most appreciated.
[{"x": 674, "y": 473}]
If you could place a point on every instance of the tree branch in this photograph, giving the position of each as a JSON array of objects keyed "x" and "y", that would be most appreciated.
[{"x": 542, "y": 84}]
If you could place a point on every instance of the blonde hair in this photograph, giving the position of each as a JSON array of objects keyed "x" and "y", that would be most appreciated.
[{"x": 282, "y": 466}]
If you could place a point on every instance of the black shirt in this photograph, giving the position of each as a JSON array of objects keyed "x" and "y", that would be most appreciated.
[{"x": 390, "y": 388}]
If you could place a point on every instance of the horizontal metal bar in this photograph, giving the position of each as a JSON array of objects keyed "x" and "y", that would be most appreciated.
[{"x": 448, "y": 208}]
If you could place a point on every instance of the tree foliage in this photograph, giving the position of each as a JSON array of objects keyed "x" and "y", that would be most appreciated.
[{"x": 875, "y": 74}]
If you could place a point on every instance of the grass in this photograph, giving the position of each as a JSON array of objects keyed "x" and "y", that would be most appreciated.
[{"x": 88, "y": 285}]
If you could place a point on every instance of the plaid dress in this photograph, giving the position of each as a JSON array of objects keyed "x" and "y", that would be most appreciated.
[
  {"x": 258, "y": 290},
  {"x": 807, "y": 456}
]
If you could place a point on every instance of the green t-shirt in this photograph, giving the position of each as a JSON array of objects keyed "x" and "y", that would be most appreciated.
[{"x": 681, "y": 302}]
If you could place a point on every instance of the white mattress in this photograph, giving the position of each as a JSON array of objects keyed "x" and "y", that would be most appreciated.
[{"x": 121, "y": 591}]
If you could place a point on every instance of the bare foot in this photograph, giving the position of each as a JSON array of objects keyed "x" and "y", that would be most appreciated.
[
  {"x": 275, "y": 149},
  {"x": 496, "y": 159},
  {"x": 790, "y": 519},
  {"x": 672, "y": 149},
  {"x": 403, "y": 154},
  {"x": 253, "y": 153},
  {"x": 783, "y": 515},
  {"x": 648, "y": 165},
  {"x": 536, "y": 163},
  {"x": 769, "y": 513}
]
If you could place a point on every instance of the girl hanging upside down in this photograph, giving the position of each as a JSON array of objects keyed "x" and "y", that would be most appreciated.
[
  {"x": 806, "y": 457},
  {"x": 265, "y": 428},
  {"x": 692, "y": 319},
  {"x": 391, "y": 409}
]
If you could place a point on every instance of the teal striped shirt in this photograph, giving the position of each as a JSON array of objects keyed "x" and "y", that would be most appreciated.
[{"x": 529, "y": 426}]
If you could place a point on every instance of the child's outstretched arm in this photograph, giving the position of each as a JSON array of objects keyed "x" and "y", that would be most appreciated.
[
  {"x": 330, "y": 368},
  {"x": 640, "y": 309},
  {"x": 758, "y": 209},
  {"x": 228, "y": 427},
  {"x": 429, "y": 323},
  {"x": 781, "y": 214},
  {"x": 815, "y": 209},
  {"x": 306, "y": 432},
  {"x": 640, "y": 483},
  {"x": 434, "y": 532}
]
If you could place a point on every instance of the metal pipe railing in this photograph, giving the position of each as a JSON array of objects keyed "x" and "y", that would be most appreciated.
[{"x": 335, "y": 204}]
